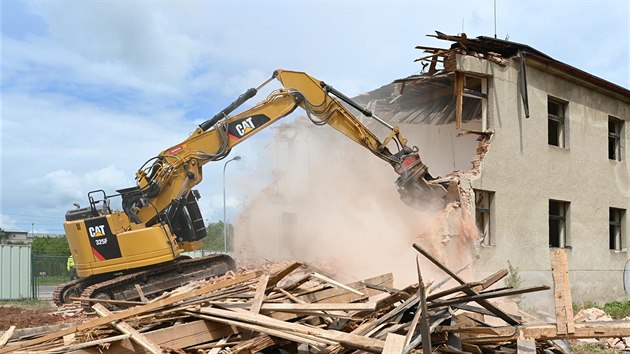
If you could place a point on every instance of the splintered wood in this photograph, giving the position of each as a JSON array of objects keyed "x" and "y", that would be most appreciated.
[{"x": 292, "y": 309}]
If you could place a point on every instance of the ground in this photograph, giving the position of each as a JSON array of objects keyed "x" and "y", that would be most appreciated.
[{"x": 16, "y": 314}]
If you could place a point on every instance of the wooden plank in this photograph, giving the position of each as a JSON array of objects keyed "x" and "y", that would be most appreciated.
[
  {"x": 140, "y": 293},
  {"x": 394, "y": 344},
  {"x": 295, "y": 337},
  {"x": 459, "y": 97},
  {"x": 346, "y": 339},
  {"x": 484, "y": 303},
  {"x": 6, "y": 336},
  {"x": 274, "y": 279},
  {"x": 71, "y": 348},
  {"x": 134, "y": 311},
  {"x": 259, "y": 297},
  {"x": 600, "y": 329},
  {"x": 300, "y": 307},
  {"x": 339, "y": 295},
  {"x": 492, "y": 279},
  {"x": 488, "y": 295},
  {"x": 107, "y": 301},
  {"x": 125, "y": 328},
  {"x": 424, "y": 317},
  {"x": 175, "y": 337},
  {"x": 336, "y": 283},
  {"x": 562, "y": 291}
]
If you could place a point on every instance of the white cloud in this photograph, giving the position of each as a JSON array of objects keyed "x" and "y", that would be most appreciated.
[
  {"x": 8, "y": 224},
  {"x": 100, "y": 87}
]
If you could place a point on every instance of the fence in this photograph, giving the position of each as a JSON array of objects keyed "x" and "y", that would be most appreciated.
[
  {"x": 15, "y": 272},
  {"x": 48, "y": 272}
]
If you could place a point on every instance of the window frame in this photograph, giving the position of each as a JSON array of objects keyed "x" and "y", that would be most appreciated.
[
  {"x": 616, "y": 222},
  {"x": 617, "y": 136},
  {"x": 563, "y": 227},
  {"x": 487, "y": 213},
  {"x": 561, "y": 122}
]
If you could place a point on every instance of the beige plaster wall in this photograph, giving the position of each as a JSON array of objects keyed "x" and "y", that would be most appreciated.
[{"x": 525, "y": 172}]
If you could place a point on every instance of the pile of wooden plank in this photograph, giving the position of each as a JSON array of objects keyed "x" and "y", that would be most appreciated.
[{"x": 295, "y": 309}]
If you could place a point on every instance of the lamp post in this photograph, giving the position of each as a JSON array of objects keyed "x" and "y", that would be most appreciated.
[{"x": 235, "y": 158}]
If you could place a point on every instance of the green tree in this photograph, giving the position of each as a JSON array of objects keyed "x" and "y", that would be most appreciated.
[
  {"x": 215, "y": 239},
  {"x": 3, "y": 235},
  {"x": 50, "y": 246}
]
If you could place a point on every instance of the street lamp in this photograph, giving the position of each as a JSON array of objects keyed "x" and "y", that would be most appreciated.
[{"x": 235, "y": 158}]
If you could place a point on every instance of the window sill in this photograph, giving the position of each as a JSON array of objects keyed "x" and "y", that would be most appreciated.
[
  {"x": 559, "y": 148},
  {"x": 623, "y": 250}
]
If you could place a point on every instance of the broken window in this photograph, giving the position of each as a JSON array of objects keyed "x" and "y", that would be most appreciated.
[
  {"x": 615, "y": 130},
  {"x": 483, "y": 208},
  {"x": 556, "y": 123},
  {"x": 616, "y": 219},
  {"x": 558, "y": 224}
]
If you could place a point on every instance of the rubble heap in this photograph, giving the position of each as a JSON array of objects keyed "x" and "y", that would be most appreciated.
[{"x": 293, "y": 308}]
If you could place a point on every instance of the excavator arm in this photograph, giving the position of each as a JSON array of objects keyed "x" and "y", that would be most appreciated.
[
  {"x": 166, "y": 181},
  {"x": 161, "y": 218}
]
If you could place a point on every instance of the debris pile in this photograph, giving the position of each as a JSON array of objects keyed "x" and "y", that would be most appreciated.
[{"x": 296, "y": 309}]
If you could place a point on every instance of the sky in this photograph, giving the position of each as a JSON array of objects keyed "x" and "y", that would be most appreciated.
[{"x": 90, "y": 90}]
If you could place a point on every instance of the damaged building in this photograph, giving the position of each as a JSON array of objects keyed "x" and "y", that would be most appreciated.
[{"x": 535, "y": 147}]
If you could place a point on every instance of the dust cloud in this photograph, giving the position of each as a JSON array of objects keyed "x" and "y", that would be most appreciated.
[{"x": 334, "y": 205}]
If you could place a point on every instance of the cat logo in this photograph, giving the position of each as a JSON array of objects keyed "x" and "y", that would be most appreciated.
[
  {"x": 96, "y": 231},
  {"x": 245, "y": 126}
]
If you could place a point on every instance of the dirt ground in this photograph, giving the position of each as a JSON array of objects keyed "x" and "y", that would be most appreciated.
[{"x": 25, "y": 318}]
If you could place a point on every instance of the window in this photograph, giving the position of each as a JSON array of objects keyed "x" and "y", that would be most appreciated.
[
  {"x": 483, "y": 208},
  {"x": 615, "y": 130},
  {"x": 558, "y": 224},
  {"x": 616, "y": 233},
  {"x": 556, "y": 125}
]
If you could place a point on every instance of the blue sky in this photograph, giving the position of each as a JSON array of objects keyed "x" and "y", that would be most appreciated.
[{"x": 91, "y": 90}]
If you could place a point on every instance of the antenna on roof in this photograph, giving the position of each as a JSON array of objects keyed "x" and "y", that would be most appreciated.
[{"x": 495, "y": 19}]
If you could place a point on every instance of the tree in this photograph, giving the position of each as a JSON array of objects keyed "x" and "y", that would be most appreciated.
[
  {"x": 215, "y": 239},
  {"x": 50, "y": 246},
  {"x": 3, "y": 235}
]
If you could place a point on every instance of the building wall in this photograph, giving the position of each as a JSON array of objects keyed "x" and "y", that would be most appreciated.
[{"x": 525, "y": 172}]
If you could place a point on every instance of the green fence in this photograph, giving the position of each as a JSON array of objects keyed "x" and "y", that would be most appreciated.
[{"x": 48, "y": 271}]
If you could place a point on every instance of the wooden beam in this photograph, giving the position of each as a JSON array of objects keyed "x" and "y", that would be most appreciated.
[
  {"x": 336, "y": 283},
  {"x": 460, "y": 79},
  {"x": 274, "y": 279},
  {"x": 600, "y": 329},
  {"x": 300, "y": 307},
  {"x": 134, "y": 311},
  {"x": 562, "y": 291},
  {"x": 174, "y": 337},
  {"x": 295, "y": 337},
  {"x": 345, "y": 339},
  {"x": 6, "y": 336},
  {"x": 488, "y": 295},
  {"x": 259, "y": 297},
  {"x": 125, "y": 328},
  {"x": 340, "y": 295},
  {"x": 140, "y": 293},
  {"x": 492, "y": 279},
  {"x": 484, "y": 303}
]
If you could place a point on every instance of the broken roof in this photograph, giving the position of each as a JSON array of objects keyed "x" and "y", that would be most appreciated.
[{"x": 498, "y": 51}]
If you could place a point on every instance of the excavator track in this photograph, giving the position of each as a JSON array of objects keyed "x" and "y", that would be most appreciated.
[{"x": 152, "y": 281}]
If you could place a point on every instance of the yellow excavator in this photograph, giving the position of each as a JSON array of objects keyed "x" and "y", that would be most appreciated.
[{"x": 137, "y": 252}]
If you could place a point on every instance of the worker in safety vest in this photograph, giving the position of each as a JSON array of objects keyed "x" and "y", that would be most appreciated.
[{"x": 71, "y": 269}]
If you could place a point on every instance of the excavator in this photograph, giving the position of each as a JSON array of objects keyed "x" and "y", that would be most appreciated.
[{"x": 138, "y": 252}]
